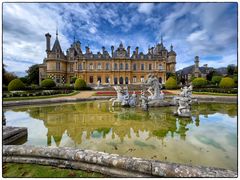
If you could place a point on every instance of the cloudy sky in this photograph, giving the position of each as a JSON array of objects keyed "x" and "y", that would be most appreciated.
[{"x": 208, "y": 30}]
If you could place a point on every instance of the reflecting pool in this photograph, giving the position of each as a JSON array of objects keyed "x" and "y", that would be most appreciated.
[{"x": 209, "y": 138}]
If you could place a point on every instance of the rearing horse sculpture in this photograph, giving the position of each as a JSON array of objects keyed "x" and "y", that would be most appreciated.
[{"x": 152, "y": 81}]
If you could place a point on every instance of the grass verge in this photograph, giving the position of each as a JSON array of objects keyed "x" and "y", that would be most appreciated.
[
  {"x": 39, "y": 171},
  {"x": 214, "y": 94},
  {"x": 39, "y": 97}
]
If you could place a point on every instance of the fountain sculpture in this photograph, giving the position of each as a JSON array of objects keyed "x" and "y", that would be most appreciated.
[
  {"x": 184, "y": 102},
  {"x": 123, "y": 97},
  {"x": 156, "y": 98}
]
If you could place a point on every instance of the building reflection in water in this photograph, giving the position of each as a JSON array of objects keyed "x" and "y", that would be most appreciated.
[{"x": 89, "y": 120}]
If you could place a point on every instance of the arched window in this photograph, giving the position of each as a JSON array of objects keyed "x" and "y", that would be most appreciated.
[
  {"x": 121, "y": 80},
  {"x": 99, "y": 66},
  {"x": 91, "y": 66},
  {"x": 115, "y": 66},
  {"x": 126, "y": 66},
  {"x": 80, "y": 66},
  {"x": 121, "y": 66},
  {"x": 126, "y": 80},
  {"x": 134, "y": 67}
]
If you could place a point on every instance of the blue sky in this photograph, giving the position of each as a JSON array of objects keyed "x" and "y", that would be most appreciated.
[{"x": 208, "y": 30}]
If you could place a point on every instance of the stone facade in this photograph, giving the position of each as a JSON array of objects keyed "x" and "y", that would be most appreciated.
[{"x": 117, "y": 67}]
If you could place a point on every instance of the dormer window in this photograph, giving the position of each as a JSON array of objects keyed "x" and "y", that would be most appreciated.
[{"x": 141, "y": 56}]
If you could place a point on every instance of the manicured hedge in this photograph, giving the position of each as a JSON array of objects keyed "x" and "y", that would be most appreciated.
[
  {"x": 48, "y": 83},
  {"x": 199, "y": 82},
  {"x": 216, "y": 79},
  {"x": 171, "y": 83},
  {"x": 16, "y": 84},
  {"x": 80, "y": 84},
  {"x": 227, "y": 82},
  {"x": 35, "y": 93},
  {"x": 217, "y": 90}
]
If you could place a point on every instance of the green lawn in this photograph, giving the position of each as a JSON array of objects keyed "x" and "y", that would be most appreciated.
[
  {"x": 39, "y": 97},
  {"x": 40, "y": 171}
]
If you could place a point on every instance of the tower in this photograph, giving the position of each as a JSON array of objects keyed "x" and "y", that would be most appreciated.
[{"x": 197, "y": 72}]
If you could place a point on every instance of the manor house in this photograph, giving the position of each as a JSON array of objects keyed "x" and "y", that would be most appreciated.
[{"x": 117, "y": 67}]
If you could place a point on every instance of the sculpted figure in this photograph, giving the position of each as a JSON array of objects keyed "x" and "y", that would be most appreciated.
[{"x": 144, "y": 101}]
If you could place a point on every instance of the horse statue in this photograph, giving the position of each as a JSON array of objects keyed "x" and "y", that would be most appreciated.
[
  {"x": 120, "y": 95},
  {"x": 154, "y": 88}
]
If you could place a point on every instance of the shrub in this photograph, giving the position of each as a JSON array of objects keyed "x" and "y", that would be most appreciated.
[
  {"x": 171, "y": 83},
  {"x": 235, "y": 78},
  {"x": 199, "y": 82},
  {"x": 80, "y": 84},
  {"x": 73, "y": 79},
  {"x": 216, "y": 79},
  {"x": 48, "y": 83},
  {"x": 16, "y": 84},
  {"x": 226, "y": 82}
]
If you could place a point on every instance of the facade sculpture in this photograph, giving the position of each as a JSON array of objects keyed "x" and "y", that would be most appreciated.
[{"x": 121, "y": 66}]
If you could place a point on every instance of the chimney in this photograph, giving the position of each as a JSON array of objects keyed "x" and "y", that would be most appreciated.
[
  {"x": 136, "y": 50},
  {"x": 87, "y": 50},
  {"x": 112, "y": 48},
  {"x": 103, "y": 50},
  {"x": 48, "y": 38},
  {"x": 128, "y": 51}
]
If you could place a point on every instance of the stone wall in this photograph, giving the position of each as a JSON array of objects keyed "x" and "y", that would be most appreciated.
[{"x": 109, "y": 164}]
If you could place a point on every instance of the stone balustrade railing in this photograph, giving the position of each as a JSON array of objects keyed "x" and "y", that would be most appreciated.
[{"x": 108, "y": 164}]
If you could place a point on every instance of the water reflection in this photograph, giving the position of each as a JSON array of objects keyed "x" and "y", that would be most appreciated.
[{"x": 155, "y": 134}]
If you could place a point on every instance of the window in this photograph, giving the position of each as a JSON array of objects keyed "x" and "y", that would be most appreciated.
[
  {"x": 107, "y": 66},
  {"x": 142, "y": 66},
  {"x": 134, "y": 67},
  {"x": 107, "y": 79},
  {"x": 121, "y": 66},
  {"x": 71, "y": 67},
  {"x": 91, "y": 79},
  {"x": 150, "y": 66},
  {"x": 80, "y": 67},
  {"x": 142, "y": 79},
  {"x": 99, "y": 79},
  {"x": 126, "y": 66},
  {"x": 115, "y": 66},
  {"x": 115, "y": 80},
  {"x": 160, "y": 67},
  {"x": 58, "y": 66},
  {"x": 99, "y": 66},
  {"x": 91, "y": 66},
  {"x": 134, "y": 79}
]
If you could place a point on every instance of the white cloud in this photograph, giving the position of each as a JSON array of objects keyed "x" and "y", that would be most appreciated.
[{"x": 145, "y": 8}]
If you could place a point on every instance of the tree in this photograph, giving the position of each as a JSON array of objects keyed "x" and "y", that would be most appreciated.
[
  {"x": 80, "y": 84},
  {"x": 199, "y": 82},
  {"x": 48, "y": 83},
  {"x": 230, "y": 69},
  {"x": 227, "y": 82},
  {"x": 7, "y": 76},
  {"x": 33, "y": 74},
  {"x": 216, "y": 79},
  {"x": 16, "y": 84},
  {"x": 171, "y": 83}
]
